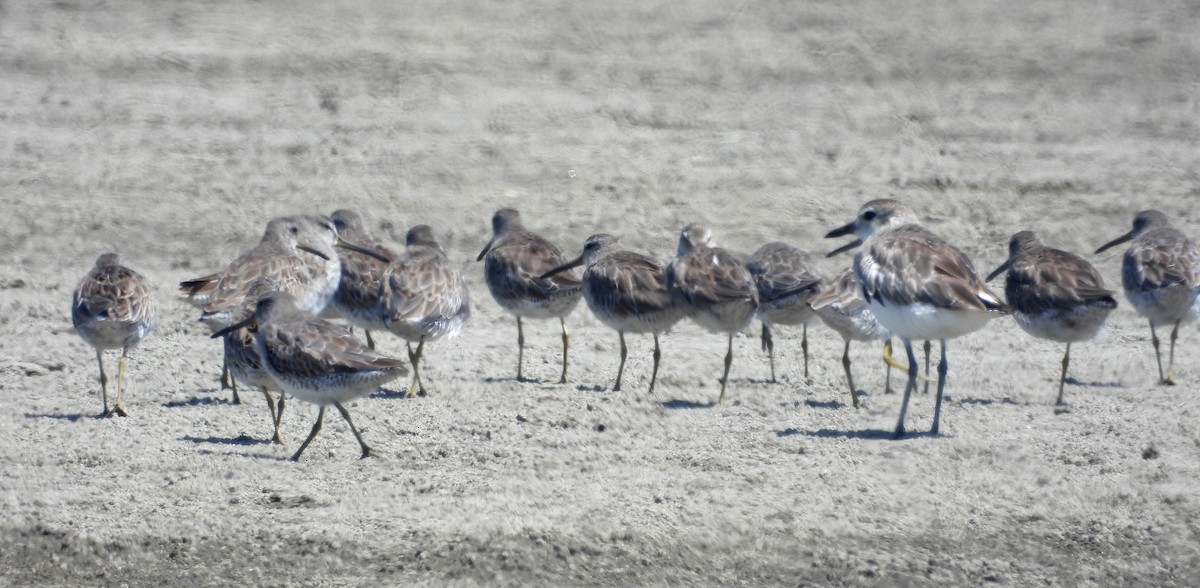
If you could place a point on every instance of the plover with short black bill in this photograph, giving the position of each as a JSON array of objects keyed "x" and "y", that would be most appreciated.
[
  {"x": 357, "y": 297},
  {"x": 713, "y": 286},
  {"x": 627, "y": 291},
  {"x": 315, "y": 360},
  {"x": 1161, "y": 277},
  {"x": 839, "y": 304},
  {"x": 423, "y": 297},
  {"x": 514, "y": 261},
  {"x": 112, "y": 309},
  {"x": 787, "y": 278},
  {"x": 918, "y": 286},
  {"x": 1054, "y": 295}
]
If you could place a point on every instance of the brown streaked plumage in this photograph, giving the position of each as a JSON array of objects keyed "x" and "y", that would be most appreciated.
[
  {"x": 423, "y": 297},
  {"x": 714, "y": 287},
  {"x": 786, "y": 278},
  {"x": 514, "y": 262},
  {"x": 1160, "y": 274},
  {"x": 112, "y": 309},
  {"x": 315, "y": 360},
  {"x": 357, "y": 296},
  {"x": 626, "y": 291},
  {"x": 841, "y": 307},
  {"x": 242, "y": 359},
  {"x": 917, "y": 285},
  {"x": 1054, "y": 294}
]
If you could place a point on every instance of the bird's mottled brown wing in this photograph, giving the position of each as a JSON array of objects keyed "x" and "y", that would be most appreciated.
[
  {"x": 311, "y": 347},
  {"x": 911, "y": 264},
  {"x": 197, "y": 292},
  {"x": 114, "y": 293},
  {"x": 422, "y": 283},
  {"x": 1160, "y": 258},
  {"x": 842, "y": 292},
  {"x": 629, "y": 283},
  {"x": 288, "y": 271},
  {"x": 1050, "y": 279},
  {"x": 707, "y": 276},
  {"x": 514, "y": 266},
  {"x": 781, "y": 270},
  {"x": 362, "y": 277}
]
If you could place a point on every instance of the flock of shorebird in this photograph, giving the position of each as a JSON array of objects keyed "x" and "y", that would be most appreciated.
[{"x": 270, "y": 305}]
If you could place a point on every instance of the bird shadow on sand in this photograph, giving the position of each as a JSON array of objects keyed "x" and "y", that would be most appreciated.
[
  {"x": 74, "y": 416},
  {"x": 1074, "y": 382},
  {"x": 239, "y": 440},
  {"x": 686, "y": 404},
  {"x": 198, "y": 401},
  {"x": 984, "y": 401},
  {"x": 866, "y": 435},
  {"x": 810, "y": 403},
  {"x": 390, "y": 394},
  {"x": 262, "y": 456}
]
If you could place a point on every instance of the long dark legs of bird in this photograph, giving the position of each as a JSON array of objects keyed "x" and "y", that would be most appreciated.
[
  {"x": 1170, "y": 379},
  {"x": 887, "y": 382},
  {"x": 1063, "y": 378},
  {"x": 849, "y": 378},
  {"x": 943, "y": 367},
  {"x": 725, "y": 377},
  {"x": 370, "y": 341},
  {"x": 227, "y": 382},
  {"x": 621, "y": 367},
  {"x": 415, "y": 359},
  {"x": 928, "y": 348},
  {"x": 804, "y": 349},
  {"x": 768, "y": 345},
  {"x": 566, "y": 337},
  {"x": 366, "y": 451},
  {"x": 274, "y": 415},
  {"x": 657, "y": 358},
  {"x": 103, "y": 384},
  {"x": 316, "y": 428},
  {"x": 520, "y": 349},
  {"x": 1162, "y": 379},
  {"x": 279, "y": 416},
  {"x": 908, "y": 387}
]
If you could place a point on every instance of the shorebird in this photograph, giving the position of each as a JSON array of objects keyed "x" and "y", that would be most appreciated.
[
  {"x": 841, "y": 307},
  {"x": 112, "y": 309},
  {"x": 314, "y": 360},
  {"x": 423, "y": 297},
  {"x": 280, "y": 256},
  {"x": 242, "y": 359},
  {"x": 1054, "y": 295},
  {"x": 1161, "y": 277},
  {"x": 357, "y": 295},
  {"x": 627, "y": 291},
  {"x": 786, "y": 278},
  {"x": 713, "y": 286},
  {"x": 514, "y": 261},
  {"x": 917, "y": 286}
]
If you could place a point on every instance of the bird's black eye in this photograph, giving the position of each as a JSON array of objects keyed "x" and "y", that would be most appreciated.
[
  {"x": 294, "y": 230},
  {"x": 868, "y": 215}
]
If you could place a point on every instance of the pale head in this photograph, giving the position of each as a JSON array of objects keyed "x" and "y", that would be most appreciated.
[
  {"x": 876, "y": 216},
  {"x": 692, "y": 236},
  {"x": 1143, "y": 222},
  {"x": 349, "y": 225},
  {"x": 318, "y": 236},
  {"x": 274, "y": 303},
  {"x": 598, "y": 246}
]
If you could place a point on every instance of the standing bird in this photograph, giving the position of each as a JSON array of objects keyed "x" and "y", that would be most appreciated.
[
  {"x": 423, "y": 297},
  {"x": 1054, "y": 295},
  {"x": 627, "y": 291},
  {"x": 357, "y": 295},
  {"x": 112, "y": 309},
  {"x": 315, "y": 360},
  {"x": 841, "y": 307},
  {"x": 786, "y": 278},
  {"x": 713, "y": 286},
  {"x": 241, "y": 357},
  {"x": 917, "y": 286},
  {"x": 1161, "y": 277},
  {"x": 514, "y": 262}
]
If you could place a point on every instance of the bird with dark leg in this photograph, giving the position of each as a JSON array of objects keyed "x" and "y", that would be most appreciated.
[
  {"x": 787, "y": 278},
  {"x": 840, "y": 306}
]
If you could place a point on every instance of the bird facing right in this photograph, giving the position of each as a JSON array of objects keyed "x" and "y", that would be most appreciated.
[
  {"x": 1161, "y": 277},
  {"x": 1054, "y": 294}
]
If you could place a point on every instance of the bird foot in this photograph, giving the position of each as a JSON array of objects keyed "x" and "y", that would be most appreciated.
[
  {"x": 899, "y": 433},
  {"x": 368, "y": 452},
  {"x": 278, "y": 440},
  {"x": 1167, "y": 381},
  {"x": 115, "y": 411}
]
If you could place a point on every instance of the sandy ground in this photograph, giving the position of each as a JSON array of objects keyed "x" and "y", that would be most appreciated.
[{"x": 171, "y": 132}]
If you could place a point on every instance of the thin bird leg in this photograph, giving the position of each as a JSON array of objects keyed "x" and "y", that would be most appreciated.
[
  {"x": 316, "y": 428},
  {"x": 768, "y": 345},
  {"x": 566, "y": 337},
  {"x": 928, "y": 348},
  {"x": 227, "y": 382},
  {"x": 279, "y": 415},
  {"x": 1063, "y": 378},
  {"x": 849, "y": 378},
  {"x": 725, "y": 377},
  {"x": 887, "y": 382},
  {"x": 366, "y": 451},
  {"x": 1154, "y": 340},
  {"x": 415, "y": 359},
  {"x": 804, "y": 348},
  {"x": 1170, "y": 381},
  {"x": 520, "y": 349},
  {"x": 657, "y": 358},
  {"x": 118, "y": 406},
  {"x": 103, "y": 384},
  {"x": 621, "y": 367},
  {"x": 908, "y": 387},
  {"x": 370, "y": 341},
  {"x": 274, "y": 416},
  {"x": 943, "y": 367},
  {"x": 888, "y": 359}
]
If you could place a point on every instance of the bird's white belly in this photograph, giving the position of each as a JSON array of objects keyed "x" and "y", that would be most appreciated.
[
  {"x": 1165, "y": 306},
  {"x": 928, "y": 322}
]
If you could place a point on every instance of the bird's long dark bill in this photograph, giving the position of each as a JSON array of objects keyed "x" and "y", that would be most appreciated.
[
  {"x": 1123, "y": 238},
  {"x": 363, "y": 250},
  {"x": 578, "y": 261},
  {"x": 840, "y": 231},
  {"x": 847, "y": 247},
  {"x": 232, "y": 328},
  {"x": 1003, "y": 268},
  {"x": 486, "y": 248},
  {"x": 309, "y": 249}
]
